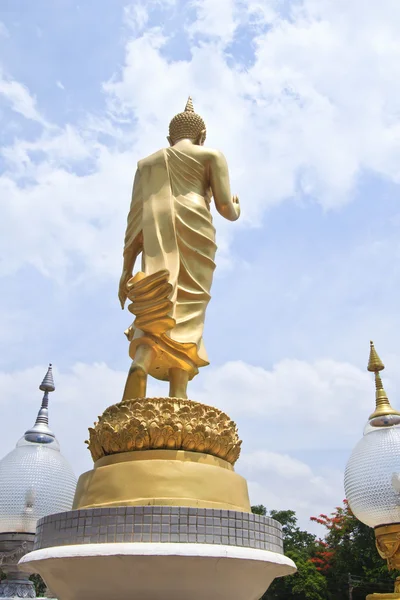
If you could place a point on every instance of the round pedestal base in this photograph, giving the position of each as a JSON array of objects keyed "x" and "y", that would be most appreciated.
[
  {"x": 162, "y": 477},
  {"x": 157, "y": 571}
]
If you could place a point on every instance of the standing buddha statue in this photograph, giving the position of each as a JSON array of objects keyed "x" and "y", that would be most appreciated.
[{"x": 170, "y": 225}]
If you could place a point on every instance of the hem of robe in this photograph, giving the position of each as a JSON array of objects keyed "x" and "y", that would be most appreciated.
[{"x": 169, "y": 354}]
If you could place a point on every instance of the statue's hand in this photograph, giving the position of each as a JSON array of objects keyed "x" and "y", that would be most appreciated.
[
  {"x": 236, "y": 205},
  {"x": 122, "y": 291}
]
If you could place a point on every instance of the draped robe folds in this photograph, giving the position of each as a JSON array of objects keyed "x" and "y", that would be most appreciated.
[{"x": 171, "y": 225}]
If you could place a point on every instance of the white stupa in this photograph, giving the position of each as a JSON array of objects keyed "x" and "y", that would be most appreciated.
[{"x": 35, "y": 479}]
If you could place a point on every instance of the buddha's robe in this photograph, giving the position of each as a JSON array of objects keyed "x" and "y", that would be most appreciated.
[{"x": 171, "y": 225}]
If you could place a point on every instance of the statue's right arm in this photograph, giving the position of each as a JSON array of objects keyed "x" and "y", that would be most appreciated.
[
  {"x": 133, "y": 238},
  {"x": 226, "y": 205}
]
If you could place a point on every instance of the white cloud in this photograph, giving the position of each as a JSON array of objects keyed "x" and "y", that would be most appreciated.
[
  {"x": 52, "y": 150},
  {"x": 214, "y": 19},
  {"x": 304, "y": 397},
  {"x": 19, "y": 98},
  {"x": 136, "y": 16},
  {"x": 281, "y": 482},
  {"x": 303, "y": 118},
  {"x": 272, "y": 463}
]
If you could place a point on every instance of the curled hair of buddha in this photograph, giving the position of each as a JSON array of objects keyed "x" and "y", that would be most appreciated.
[{"x": 187, "y": 124}]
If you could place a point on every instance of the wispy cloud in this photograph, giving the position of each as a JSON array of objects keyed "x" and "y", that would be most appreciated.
[{"x": 19, "y": 99}]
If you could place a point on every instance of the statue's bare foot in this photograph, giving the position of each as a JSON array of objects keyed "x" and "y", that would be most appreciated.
[{"x": 136, "y": 383}]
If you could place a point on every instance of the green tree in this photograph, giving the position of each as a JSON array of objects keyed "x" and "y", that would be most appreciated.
[
  {"x": 294, "y": 538},
  {"x": 308, "y": 583},
  {"x": 259, "y": 509},
  {"x": 348, "y": 554},
  {"x": 40, "y": 586}
]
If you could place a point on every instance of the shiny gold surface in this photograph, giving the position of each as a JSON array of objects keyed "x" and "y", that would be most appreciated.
[
  {"x": 383, "y": 406},
  {"x": 170, "y": 225},
  {"x": 394, "y": 596},
  {"x": 374, "y": 362},
  {"x": 387, "y": 540},
  {"x": 164, "y": 423},
  {"x": 183, "y": 455},
  {"x": 162, "y": 477}
]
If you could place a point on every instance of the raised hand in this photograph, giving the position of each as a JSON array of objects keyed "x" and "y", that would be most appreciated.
[
  {"x": 236, "y": 205},
  {"x": 122, "y": 291}
]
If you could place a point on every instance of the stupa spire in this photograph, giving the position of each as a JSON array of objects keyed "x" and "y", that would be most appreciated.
[
  {"x": 383, "y": 406},
  {"x": 41, "y": 432}
]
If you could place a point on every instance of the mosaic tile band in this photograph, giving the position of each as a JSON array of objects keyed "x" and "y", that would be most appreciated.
[{"x": 159, "y": 524}]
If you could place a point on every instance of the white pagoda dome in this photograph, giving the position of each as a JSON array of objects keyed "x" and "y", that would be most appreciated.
[{"x": 35, "y": 479}]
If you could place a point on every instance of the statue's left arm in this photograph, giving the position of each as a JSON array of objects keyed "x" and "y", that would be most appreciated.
[{"x": 133, "y": 238}]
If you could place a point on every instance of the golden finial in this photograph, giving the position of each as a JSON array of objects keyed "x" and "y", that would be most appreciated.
[
  {"x": 189, "y": 105},
  {"x": 383, "y": 406},
  {"x": 374, "y": 362}
]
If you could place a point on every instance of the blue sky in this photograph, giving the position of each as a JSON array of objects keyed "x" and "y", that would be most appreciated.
[{"x": 302, "y": 97}]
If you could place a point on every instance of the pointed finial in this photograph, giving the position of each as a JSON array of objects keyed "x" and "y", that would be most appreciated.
[
  {"x": 41, "y": 432},
  {"x": 383, "y": 406},
  {"x": 189, "y": 105},
  {"x": 374, "y": 362},
  {"x": 47, "y": 384}
]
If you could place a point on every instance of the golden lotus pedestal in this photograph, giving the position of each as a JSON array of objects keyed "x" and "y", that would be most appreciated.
[
  {"x": 162, "y": 515},
  {"x": 165, "y": 452}
]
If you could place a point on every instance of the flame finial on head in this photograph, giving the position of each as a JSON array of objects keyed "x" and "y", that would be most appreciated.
[{"x": 189, "y": 105}]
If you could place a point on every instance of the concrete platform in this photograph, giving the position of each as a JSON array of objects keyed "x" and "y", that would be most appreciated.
[{"x": 157, "y": 571}]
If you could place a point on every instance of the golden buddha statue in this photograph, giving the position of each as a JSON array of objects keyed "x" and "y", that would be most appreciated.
[
  {"x": 170, "y": 225},
  {"x": 169, "y": 451}
]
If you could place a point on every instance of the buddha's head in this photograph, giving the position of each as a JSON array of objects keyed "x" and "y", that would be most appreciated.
[{"x": 187, "y": 125}]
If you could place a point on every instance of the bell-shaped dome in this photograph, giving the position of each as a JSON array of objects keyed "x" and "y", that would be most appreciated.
[
  {"x": 35, "y": 479},
  {"x": 372, "y": 476}
]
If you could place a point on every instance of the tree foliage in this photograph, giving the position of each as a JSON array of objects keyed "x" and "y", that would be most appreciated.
[
  {"x": 40, "y": 586},
  {"x": 307, "y": 583},
  {"x": 347, "y": 557},
  {"x": 343, "y": 564}
]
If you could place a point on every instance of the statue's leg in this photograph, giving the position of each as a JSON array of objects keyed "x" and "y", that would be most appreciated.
[
  {"x": 178, "y": 380},
  {"x": 136, "y": 382}
]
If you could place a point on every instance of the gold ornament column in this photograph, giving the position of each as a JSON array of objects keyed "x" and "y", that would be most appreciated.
[{"x": 387, "y": 540}]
